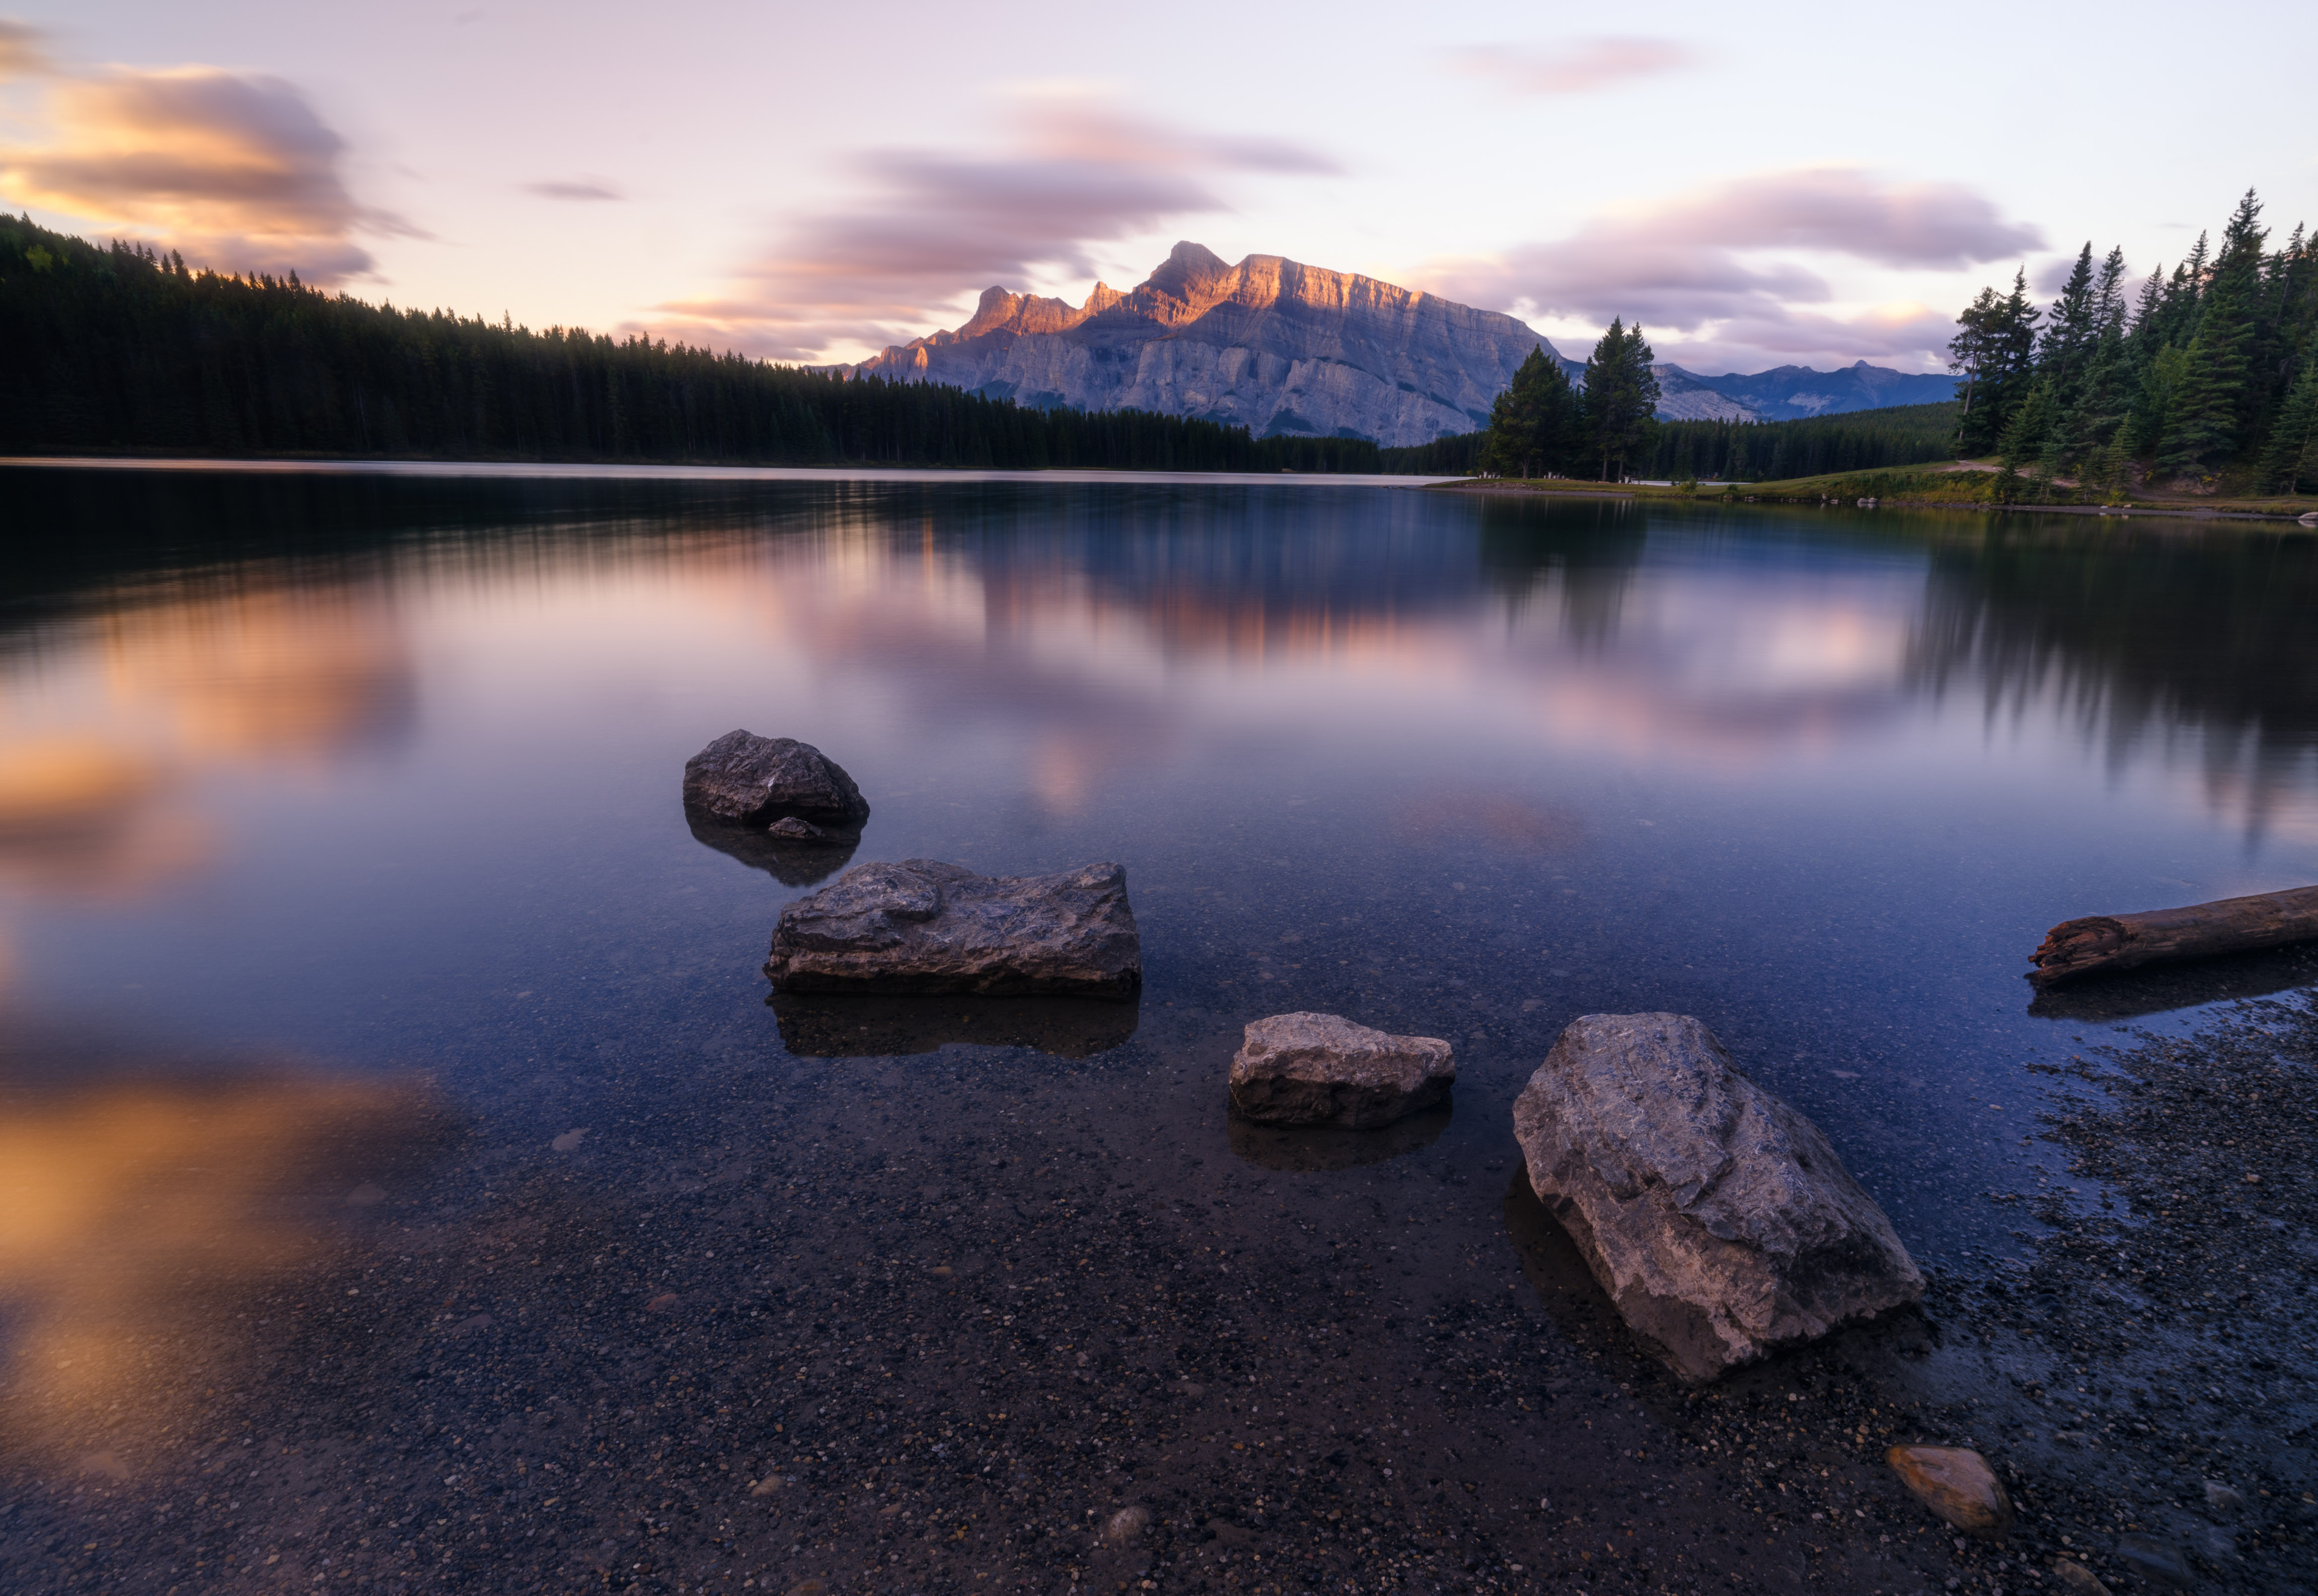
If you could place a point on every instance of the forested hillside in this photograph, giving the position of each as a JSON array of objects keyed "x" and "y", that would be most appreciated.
[
  {"x": 2210, "y": 371},
  {"x": 115, "y": 348}
]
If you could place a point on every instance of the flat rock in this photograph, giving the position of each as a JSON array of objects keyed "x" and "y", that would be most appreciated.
[
  {"x": 1719, "y": 1219},
  {"x": 923, "y": 926},
  {"x": 1955, "y": 1483},
  {"x": 743, "y": 779},
  {"x": 1323, "y": 1069}
]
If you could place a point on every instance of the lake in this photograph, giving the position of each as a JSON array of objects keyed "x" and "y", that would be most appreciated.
[{"x": 409, "y": 1180}]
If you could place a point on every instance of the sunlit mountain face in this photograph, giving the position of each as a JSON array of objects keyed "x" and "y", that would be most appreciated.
[{"x": 388, "y": 1064}]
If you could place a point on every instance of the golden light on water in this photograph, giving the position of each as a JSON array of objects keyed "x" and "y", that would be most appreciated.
[{"x": 138, "y": 1216}]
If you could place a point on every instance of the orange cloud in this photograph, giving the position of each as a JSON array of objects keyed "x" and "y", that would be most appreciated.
[{"x": 239, "y": 171}]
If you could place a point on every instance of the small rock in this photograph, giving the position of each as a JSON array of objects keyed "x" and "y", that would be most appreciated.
[
  {"x": 570, "y": 1140},
  {"x": 1719, "y": 1220},
  {"x": 2160, "y": 1560},
  {"x": 1956, "y": 1483},
  {"x": 2223, "y": 1499},
  {"x": 796, "y": 828},
  {"x": 923, "y": 926},
  {"x": 767, "y": 1485},
  {"x": 1126, "y": 1524},
  {"x": 366, "y": 1196},
  {"x": 2077, "y": 1577},
  {"x": 1321, "y": 1069},
  {"x": 741, "y": 777}
]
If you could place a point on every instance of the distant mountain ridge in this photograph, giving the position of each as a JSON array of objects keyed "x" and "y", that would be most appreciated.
[{"x": 1287, "y": 349}]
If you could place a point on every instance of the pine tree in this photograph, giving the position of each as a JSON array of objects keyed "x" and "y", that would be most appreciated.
[
  {"x": 1997, "y": 345},
  {"x": 1619, "y": 410},
  {"x": 1533, "y": 424},
  {"x": 2292, "y": 458}
]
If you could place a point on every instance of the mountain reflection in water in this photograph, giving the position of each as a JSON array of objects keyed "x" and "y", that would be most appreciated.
[{"x": 382, "y": 773}]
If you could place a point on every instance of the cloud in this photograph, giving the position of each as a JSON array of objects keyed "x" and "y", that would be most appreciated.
[
  {"x": 1719, "y": 259},
  {"x": 582, "y": 189},
  {"x": 933, "y": 225},
  {"x": 21, "y": 54},
  {"x": 236, "y": 170},
  {"x": 1582, "y": 67}
]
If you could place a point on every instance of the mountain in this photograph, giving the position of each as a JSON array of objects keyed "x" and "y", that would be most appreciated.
[
  {"x": 1286, "y": 349},
  {"x": 1269, "y": 344},
  {"x": 1789, "y": 393}
]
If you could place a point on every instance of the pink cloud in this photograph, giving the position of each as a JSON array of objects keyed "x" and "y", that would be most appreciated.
[
  {"x": 1582, "y": 67},
  {"x": 1718, "y": 263},
  {"x": 933, "y": 225}
]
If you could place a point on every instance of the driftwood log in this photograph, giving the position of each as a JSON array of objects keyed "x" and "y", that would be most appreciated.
[{"x": 2120, "y": 941}]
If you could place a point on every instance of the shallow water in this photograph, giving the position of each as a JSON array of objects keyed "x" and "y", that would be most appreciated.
[{"x": 390, "y": 1066}]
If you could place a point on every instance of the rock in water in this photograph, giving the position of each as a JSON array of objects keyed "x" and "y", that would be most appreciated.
[
  {"x": 2077, "y": 1577},
  {"x": 922, "y": 926},
  {"x": 1955, "y": 1483},
  {"x": 1322, "y": 1068},
  {"x": 1718, "y": 1218},
  {"x": 742, "y": 779}
]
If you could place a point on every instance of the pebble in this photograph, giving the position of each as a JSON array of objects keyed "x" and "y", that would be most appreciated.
[
  {"x": 2223, "y": 1499},
  {"x": 1126, "y": 1524},
  {"x": 1956, "y": 1483}
]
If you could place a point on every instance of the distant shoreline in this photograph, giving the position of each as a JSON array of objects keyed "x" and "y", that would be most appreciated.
[{"x": 644, "y": 470}]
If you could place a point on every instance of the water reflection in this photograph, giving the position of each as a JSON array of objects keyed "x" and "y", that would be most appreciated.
[
  {"x": 2157, "y": 988},
  {"x": 2188, "y": 649},
  {"x": 140, "y": 703},
  {"x": 793, "y": 861},
  {"x": 1306, "y": 1149},
  {"x": 849, "y": 1026},
  {"x": 146, "y": 1211}
]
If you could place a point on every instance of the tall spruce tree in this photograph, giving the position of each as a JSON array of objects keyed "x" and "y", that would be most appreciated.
[
  {"x": 1533, "y": 423},
  {"x": 2207, "y": 416},
  {"x": 1619, "y": 409}
]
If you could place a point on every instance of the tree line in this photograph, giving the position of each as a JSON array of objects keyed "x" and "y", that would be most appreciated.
[
  {"x": 2210, "y": 373},
  {"x": 118, "y": 348},
  {"x": 1816, "y": 445}
]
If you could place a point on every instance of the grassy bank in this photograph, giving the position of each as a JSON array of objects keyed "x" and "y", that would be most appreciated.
[{"x": 1942, "y": 486}]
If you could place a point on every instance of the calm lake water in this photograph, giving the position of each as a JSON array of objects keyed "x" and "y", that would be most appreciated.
[{"x": 399, "y": 1140}]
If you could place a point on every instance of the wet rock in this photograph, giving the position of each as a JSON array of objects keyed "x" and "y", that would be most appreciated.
[
  {"x": 2077, "y": 1577},
  {"x": 2160, "y": 1560},
  {"x": 1323, "y": 1070},
  {"x": 1719, "y": 1219},
  {"x": 743, "y": 778},
  {"x": 1955, "y": 1483},
  {"x": 922, "y": 926},
  {"x": 1126, "y": 1524},
  {"x": 796, "y": 828}
]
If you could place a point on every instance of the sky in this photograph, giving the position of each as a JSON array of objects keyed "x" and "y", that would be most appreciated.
[{"x": 1789, "y": 183}]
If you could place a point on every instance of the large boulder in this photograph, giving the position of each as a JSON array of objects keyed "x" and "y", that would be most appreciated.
[
  {"x": 1322, "y": 1068},
  {"x": 742, "y": 779},
  {"x": 922, "y": 926},
  {"x": 1719, "y": 1220}
]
